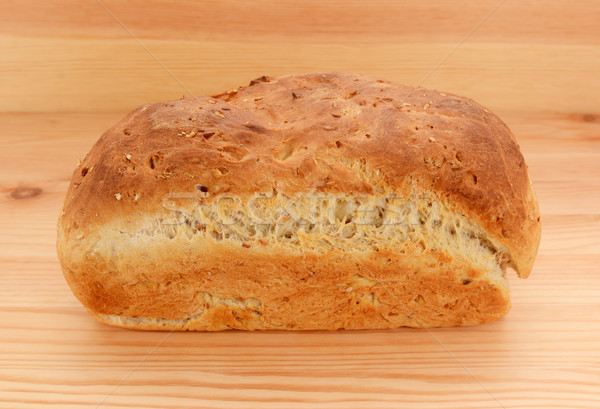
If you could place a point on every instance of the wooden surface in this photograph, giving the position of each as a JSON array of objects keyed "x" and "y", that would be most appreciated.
[{"x": 69, "y": 70}]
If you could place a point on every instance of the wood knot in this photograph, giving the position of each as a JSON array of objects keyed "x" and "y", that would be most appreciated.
[
  {"x": 23, "y": 193},
  {"x": 589, "y": 117}
]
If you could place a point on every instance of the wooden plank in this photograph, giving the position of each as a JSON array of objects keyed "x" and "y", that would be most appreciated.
[
  {"x": 309, "y": 21},
  {"x": 72, "y": 74},
  {"x": 534, "y": 366}
]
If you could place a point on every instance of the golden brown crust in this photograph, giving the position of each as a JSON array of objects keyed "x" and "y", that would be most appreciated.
[
  {"x": 263, "y": 288},
  {"x": 297, "y": 135}
]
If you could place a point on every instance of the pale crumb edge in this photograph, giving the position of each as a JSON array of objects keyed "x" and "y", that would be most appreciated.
[{"x": 162, "y": 324}]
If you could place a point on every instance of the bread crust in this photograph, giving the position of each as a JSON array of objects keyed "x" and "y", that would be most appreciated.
[{"x": 298, "y": 135}]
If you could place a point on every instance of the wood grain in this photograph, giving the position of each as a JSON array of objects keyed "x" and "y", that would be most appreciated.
[
  {"x": 76, "y": 57},
  {"x": 68, "y": 71}
]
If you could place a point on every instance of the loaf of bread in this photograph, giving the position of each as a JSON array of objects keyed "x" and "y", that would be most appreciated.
[{"x": 318, "y": 201}]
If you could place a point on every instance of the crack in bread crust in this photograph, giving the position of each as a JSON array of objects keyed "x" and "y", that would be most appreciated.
[{"x": 323, "y": 222}]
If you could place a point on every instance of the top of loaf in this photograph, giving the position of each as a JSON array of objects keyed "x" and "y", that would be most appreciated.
[{"x": 314, "y": 133}]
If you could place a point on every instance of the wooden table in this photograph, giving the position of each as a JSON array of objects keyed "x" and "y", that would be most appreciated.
[{"x": 69, "y": 70}]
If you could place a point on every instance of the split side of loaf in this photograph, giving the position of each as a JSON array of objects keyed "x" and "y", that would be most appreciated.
[{"x": 317, "y": 201}]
